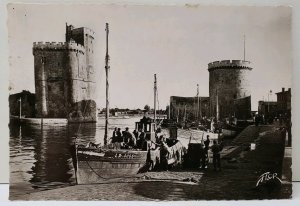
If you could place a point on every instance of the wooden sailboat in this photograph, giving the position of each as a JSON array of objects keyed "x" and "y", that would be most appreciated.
[{"x": 95, "y": 164}]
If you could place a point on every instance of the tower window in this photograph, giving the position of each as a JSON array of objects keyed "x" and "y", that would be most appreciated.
[{"x": 43, "y": 60}]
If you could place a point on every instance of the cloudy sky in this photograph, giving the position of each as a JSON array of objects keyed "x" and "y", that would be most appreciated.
[{"x": 176, "y": 43}]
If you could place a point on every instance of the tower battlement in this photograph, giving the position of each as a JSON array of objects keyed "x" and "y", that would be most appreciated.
[
  {"x": 70, "y": 46},
  {"x": 230, "y": 63}
]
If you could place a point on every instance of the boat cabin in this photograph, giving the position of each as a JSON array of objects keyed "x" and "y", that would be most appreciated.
[{"x": 147, "y": 125}]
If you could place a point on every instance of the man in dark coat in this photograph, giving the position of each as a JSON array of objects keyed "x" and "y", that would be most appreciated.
[{"x": 216, "y": 149}]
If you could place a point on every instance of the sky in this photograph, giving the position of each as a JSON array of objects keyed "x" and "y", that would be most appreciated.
[{"x": 174, "y": 42}]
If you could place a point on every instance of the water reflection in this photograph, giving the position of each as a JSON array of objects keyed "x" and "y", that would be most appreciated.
[{"x": 40, "y": 157}]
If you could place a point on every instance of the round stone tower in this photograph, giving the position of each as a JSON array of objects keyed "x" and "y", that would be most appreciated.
[{"x": 228, "y": 83}]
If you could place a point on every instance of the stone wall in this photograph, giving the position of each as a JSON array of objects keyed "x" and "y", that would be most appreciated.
[
  {"x": 242, "y": 108},
  {"x": 51, "y": 79},
  {"x": 228, "y": 80}
]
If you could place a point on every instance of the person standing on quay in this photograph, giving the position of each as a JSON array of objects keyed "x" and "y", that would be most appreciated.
[
  {"x": 206, "y": 148},
  {"x": 216, "y": 149}
]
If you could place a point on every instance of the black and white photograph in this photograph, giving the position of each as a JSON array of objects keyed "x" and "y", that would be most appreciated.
[{"x": 149, "y": 103}]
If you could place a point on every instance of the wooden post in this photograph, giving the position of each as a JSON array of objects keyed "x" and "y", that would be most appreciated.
[{"x": 107, "y": 67}]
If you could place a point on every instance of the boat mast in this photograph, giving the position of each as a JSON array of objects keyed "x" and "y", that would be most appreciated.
[
  {"x": 217, "y": 105},
  {"x": 197, "y": 102},
  {"x": 244, "y": 47},
  {"x": 107, "y": 86},
  {"x": 155, "y": 90},
  {"x": 184, "y": 117}
]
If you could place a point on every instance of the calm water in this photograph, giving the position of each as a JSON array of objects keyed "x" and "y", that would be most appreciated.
[{"x": 40, "y": 157}]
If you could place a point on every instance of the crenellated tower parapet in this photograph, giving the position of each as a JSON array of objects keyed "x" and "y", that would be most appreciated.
[
  {"x": 230, "y": 64},
  {"x": 57, "y": 46}
]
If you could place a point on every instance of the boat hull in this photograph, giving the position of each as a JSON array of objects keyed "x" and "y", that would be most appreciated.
[
  {"x": 90, "y": 172},
  {"x": 95, "y": 167}
]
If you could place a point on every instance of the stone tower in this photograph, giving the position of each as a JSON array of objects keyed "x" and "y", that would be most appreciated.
[
  {"x": 229, "y": 85},
  {"x": 65, "y": 77}
]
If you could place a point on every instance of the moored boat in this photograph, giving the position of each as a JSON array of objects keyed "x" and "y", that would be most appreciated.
[{"x": 93, "y": 164}]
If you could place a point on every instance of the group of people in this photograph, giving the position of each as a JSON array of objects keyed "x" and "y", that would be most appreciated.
[
  {"x": 216, "y": 148},
  {"x": 130, "y": 140}
]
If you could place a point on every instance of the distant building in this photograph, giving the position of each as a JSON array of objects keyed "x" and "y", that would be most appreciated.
[
  {"x": 186, "y": 108},
  {"x": 229, "y": 86},
  {"x": 65, "y": 77},
  {"x": 284, "y": 102},
  {"x": 267, "y": 108},
  {"x": 27, "y": 101}
]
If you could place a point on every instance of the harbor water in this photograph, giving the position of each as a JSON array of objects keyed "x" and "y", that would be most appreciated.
[{"x": 40, "y": 158}]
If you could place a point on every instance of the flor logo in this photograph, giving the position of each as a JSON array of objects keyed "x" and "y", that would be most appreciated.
[{"x": 268, "y": 176}]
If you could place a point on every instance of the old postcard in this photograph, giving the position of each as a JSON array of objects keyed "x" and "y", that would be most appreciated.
[{"x": 112, "y": 102}]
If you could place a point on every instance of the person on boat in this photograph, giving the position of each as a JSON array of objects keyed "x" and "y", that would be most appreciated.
[
  {"x": 141, "y": 139},
  {"x": 135, "y": 133},
  {"x": 129, "y": 138},
  {"x": 115, "y": 132},
  {"x": 114, "y": 138},
  {"x": 216, "y": 149},
  {"x": 132, "y": 141},
  {"x": 164, "y": 153},
  {"x": 119, "y": 135},
  {"x": 125, "y": 137},
  {"x": 158, "y": 136}
]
